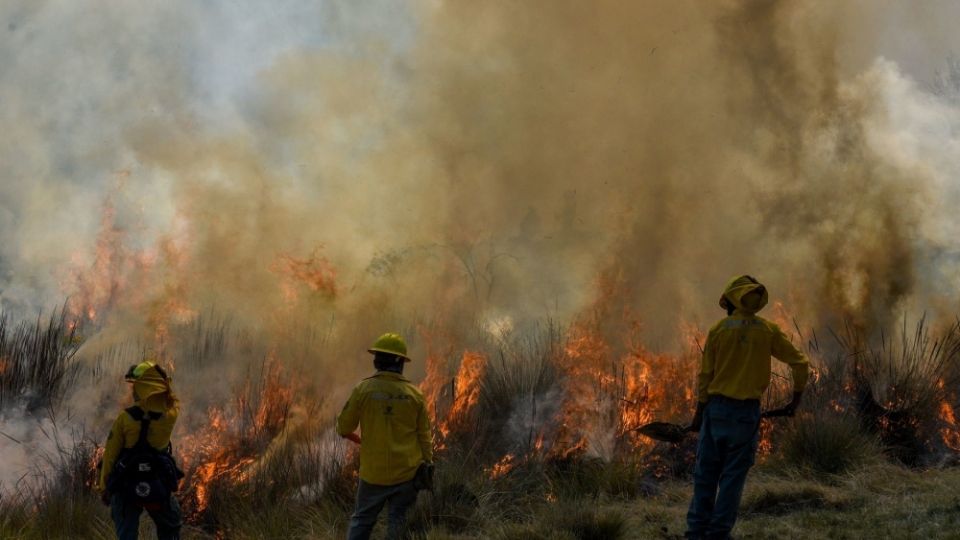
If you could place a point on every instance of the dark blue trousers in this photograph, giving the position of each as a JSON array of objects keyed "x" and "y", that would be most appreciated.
[
  {"x": 370, "y": 501},
  {"x": 726, "y": 450},
  {"x": 126, "y": 518}
]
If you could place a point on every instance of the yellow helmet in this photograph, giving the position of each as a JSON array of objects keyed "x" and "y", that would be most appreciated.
[
  {"x": 137, "y": 371},
  {"x": 148, "y": 369},
  {"x": 390, "y": 343}
]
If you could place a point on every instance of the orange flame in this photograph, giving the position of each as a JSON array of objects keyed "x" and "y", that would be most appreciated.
[
  {"x": 465, "y": 390},
  {"x": 951, "y": 430},
  {"x": 502, "y": 467},
  {"x": 315, "y": 272},
  {"x": 467, "y": 385},
  {"x": 98, "y": 285},
  {"x": 229, "y": 445}
]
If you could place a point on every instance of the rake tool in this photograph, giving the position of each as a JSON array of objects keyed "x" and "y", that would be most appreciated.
[{"x": 675, "y": 433}]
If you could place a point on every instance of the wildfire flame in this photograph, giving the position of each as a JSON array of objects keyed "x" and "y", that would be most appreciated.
[
  {"x": 234, "y": 438},
  {"x": 610, "y": 385},
  {"x": 315, "y": 272},
  {"x": 502, "y": 467},
  {"x": 465, "y": 389},
  {"x": 951, "y": 430}
]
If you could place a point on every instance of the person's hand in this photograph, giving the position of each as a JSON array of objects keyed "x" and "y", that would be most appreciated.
[
  {"x": 694, "y": 426},
  {"x": 791, "y": 407},
  {"x": 105, "y": 497}
]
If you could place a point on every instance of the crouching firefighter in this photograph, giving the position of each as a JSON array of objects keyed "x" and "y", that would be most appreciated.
[
  {"x": 396, "y": 450},
  {"x": 734, "y": 372},
  {"x": 138, "y": 471}
]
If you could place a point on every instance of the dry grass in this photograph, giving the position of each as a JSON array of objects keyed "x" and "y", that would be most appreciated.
[
  {"x": 824, "y": 441},
  {"x": 827, "y": 476},
  {"x": 35, "y": 361}
]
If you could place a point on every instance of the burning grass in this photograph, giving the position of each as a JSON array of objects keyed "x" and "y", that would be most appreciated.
[
  {"x": 905, "y": 390},
  {"x": 531, "y": 425}
]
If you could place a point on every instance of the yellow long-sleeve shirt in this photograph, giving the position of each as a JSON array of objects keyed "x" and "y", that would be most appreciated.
[
  {"x": 736, "y": 357},
  {"x": 394, "y": 425}
]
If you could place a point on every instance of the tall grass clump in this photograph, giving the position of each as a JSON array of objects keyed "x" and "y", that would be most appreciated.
[
  {"x": 57, "y": 500},
  {"x": 36, "y": 360},
  {"x": 901, "y": 384},
  {"x": 519, "y": 394},
  {"x": 827, "y": 442},
  {"x": 307, "y": 489}
]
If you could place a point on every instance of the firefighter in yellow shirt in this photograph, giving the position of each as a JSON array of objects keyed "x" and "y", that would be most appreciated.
[
  {"x": 397, "y": 441},
  {"x": 138, "y": 472},
  {"x": 735, "y": 371}
]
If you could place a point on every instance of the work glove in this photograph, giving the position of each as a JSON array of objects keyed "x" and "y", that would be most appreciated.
[
  {"x": 791, "y": 407},
  {"x": 423, "y": 479},
  {"x": 697, "y": 418},
  {"x": 105, "y": 497}
]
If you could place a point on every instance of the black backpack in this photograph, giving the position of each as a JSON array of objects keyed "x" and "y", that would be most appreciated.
[{"x": 143, "y": 474}]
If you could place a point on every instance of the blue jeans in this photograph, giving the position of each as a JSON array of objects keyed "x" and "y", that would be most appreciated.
[
  {"x": 370, "y": 501},
  {"x": 726, "y": 450},
  {"x": 126, "y": 518}
]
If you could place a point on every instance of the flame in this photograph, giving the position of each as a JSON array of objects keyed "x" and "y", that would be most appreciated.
[
  {"x": 765, "y": 446},
  {"x": 606, "y": 391},
  {"x": 467, "y": 384},
  {"x": 609, "y": 384},
  {"x": 951, "y": 430},
  {"x": 228, "y": 447},
  {"x": 502, "y": 467},
  {"x": 465, "y": 388},
  {"x": 315, "y": 272},
  {"x": 98, "y": 285},
  {"x": 151, "y": 280},
  {"x": 93, "y": 467}
]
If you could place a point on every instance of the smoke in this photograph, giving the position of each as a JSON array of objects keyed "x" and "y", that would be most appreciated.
[{"x": 371, "y": 165}]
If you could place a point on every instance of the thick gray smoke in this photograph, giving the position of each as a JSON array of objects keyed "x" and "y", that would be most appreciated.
[
  {"x": 375, "y": 163},
  {"x": 454, "y": 153}
]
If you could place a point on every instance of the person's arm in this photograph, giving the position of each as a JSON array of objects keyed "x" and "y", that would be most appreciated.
[
  {"x": 424, "y": 432},
  {"x": 349, "y": 417},
  {"x": 703, "y": 381},
  {"x": 706, "y": 369},
  {"x": 111, "y": 450},
  {"x": 787, "y": 353}
]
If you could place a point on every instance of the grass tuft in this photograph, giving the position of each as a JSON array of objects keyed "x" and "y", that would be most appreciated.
[
  {"x": 585, "y": 522},
  {"x": 827, "y": 442}
]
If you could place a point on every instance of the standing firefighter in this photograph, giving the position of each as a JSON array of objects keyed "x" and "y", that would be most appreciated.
[
  {"x": 397, "y": 447},
  {"x": 734, "y": 373},
  {"x": 138, "y": 471}
]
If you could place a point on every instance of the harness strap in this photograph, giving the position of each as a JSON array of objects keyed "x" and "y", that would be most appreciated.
[{"x": 145, "y": 418}]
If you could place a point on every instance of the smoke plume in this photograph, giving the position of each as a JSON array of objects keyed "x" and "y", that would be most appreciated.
[{"x": 363, "y": 167}]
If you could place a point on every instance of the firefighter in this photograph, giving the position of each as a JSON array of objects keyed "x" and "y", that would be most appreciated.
[
  {"x": 735, "y": 370},
  {"x": 397, "y": 442},
  {"x": 138, "y": 471}
]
